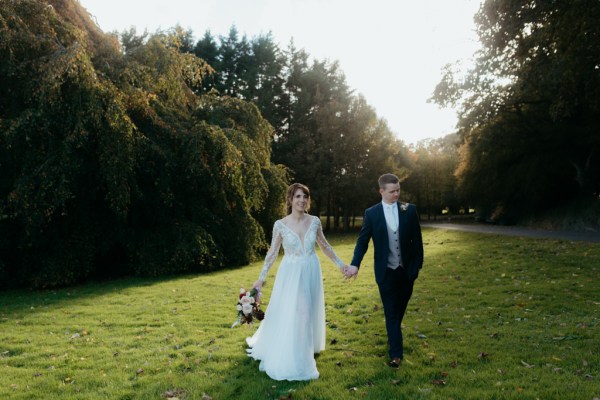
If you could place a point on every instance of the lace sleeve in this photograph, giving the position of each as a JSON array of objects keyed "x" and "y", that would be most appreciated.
[
  {"x": 273, "y": 252},
  {"x": 326, "y": 248}
]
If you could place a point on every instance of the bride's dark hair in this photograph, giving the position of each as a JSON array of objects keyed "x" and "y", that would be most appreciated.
[{"x": 289, "y": 196}]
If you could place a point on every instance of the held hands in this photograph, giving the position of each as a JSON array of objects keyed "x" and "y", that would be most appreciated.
[{"x": 350, "y": 271}]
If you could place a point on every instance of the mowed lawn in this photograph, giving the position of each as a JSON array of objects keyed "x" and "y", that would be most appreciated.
[{"x": 492, "y": 317}]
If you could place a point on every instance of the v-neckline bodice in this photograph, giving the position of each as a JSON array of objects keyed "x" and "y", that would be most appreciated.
[{"x": 301, "y": 239}]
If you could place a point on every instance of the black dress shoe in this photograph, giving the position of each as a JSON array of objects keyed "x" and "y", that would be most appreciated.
[{"x": 395, "y": 362}]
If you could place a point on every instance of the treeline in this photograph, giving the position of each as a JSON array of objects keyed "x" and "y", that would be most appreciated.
[
  {"x": 153, "y": 154},
  {"x": 529, "y": 123},
  {"x": 328, "y": 137},
  {"x": 111, "y": 164},
  {"x": 149, "y": 154}
]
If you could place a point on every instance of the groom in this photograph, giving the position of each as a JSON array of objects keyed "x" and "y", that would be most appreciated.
[{"x": 396, "y": 233}]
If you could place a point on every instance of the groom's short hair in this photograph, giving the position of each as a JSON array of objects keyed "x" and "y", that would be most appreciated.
[{"x": 387, "y": 178}]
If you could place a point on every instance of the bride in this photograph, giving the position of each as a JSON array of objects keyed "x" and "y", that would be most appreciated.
[{"x": 293, "y": 329}]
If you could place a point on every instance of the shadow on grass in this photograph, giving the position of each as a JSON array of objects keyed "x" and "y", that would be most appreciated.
[
  {"x": 19, "y": 300},
  {"x": 16, "y": 301}
]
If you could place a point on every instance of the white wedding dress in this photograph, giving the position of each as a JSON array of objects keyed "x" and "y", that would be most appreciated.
[{"x": 293, "y": 329}]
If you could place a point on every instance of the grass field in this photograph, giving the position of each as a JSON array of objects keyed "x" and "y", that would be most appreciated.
[{"x": 492, "y": 317}]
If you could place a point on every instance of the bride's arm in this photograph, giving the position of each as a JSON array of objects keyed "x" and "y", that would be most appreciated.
[
  {"x": 271, "y": 256},
  {"x": 327, "y": 249}
]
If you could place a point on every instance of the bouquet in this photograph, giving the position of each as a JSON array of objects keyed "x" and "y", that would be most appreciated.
[{"x": 248, "y": 307}]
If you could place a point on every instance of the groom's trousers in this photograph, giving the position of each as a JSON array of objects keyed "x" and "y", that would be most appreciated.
[{"x": 395, "y": 291}]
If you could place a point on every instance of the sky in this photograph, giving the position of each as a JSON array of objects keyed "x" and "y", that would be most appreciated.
[{"x": 391, "y": 51}]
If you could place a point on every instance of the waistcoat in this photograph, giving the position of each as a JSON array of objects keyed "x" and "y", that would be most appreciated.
[{"x": 394, "y": 253}]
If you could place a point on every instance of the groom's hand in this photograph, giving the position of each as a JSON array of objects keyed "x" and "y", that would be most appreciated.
[{"x": 351, "y": 271}]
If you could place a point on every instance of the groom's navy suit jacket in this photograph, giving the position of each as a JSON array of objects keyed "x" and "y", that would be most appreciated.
[{"x": 411, "y": 242}]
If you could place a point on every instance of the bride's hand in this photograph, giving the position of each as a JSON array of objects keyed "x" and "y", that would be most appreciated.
[{"x": 258, "y": 284}]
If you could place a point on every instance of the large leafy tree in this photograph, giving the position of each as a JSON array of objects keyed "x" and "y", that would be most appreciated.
[
  {"x": 530, "y": 108},
  {"x": 66, "y": 150},
  {"x": 111, "y": 163}
]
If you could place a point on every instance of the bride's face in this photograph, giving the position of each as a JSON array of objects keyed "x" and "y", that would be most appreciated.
[{"x": 300, "y": 200}]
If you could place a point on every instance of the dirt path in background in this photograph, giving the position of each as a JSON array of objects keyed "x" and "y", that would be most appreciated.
[{"x": 516, "y": 231}]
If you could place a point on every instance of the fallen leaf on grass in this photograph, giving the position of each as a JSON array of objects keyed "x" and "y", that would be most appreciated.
[
  {"x": 139, "y": 371},
  {"x": 395, "y": 381},
  {"x": 174, "y": 393},
  {"x": 526, "y": 365},
  {"x": 454, "y": 364},
  {"x": 334, "y": 341},
  {"x": 483, "y": 355},
  {"x": 439, "y": 382},
  {"x": 568, "y": 337},
  {"x": 207, "y": 397}
]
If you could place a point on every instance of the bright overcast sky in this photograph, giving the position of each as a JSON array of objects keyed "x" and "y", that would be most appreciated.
[{"x": 391, "y": 51}]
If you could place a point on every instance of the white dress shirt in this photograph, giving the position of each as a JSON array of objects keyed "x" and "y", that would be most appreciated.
[{"x": 391, "y": 215}]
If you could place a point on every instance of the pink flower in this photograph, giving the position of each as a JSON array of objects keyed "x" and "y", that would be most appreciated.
[{"x": 248, "y": 307}]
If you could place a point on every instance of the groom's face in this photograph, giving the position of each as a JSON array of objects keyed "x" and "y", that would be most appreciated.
[{"x": 390, "y": 192}]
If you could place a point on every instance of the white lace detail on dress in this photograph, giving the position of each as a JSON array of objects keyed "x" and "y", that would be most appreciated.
[
  {"x": 326, "y": 248},
  {"x": 293, "y": 245},
  {"x": 273, "y": 252}
]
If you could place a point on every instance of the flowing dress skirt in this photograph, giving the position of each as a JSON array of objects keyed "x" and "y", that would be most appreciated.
[{"x": 293, "y": 329}]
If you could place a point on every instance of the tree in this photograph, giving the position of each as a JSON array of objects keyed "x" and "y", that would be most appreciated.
[
  {"x": 529, "y": 109},
  {"x": 432, "y": 181},
  {"x": 111, "y": 163},
  {"x": 317, "y": 120},
  {"x": 207, "y": 50}
]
